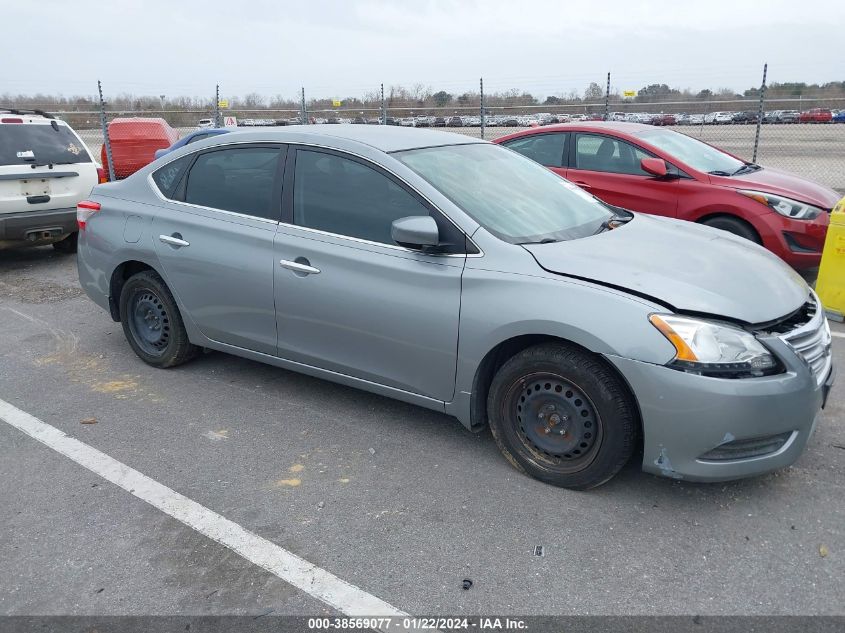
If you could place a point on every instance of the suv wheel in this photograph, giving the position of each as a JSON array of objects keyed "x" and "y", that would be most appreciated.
[
  {"x": 67, "y": 245},
  {"x": 562, "y": 416},
  {"x": 152, "y": 323}
]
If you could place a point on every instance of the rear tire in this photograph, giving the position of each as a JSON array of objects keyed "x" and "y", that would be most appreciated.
[
  {"x": 152, "y": 323},
  {"x": 562, "y": 416},
  {"x": 67, "y": 245},
  {"x": 735, "y": 226}
]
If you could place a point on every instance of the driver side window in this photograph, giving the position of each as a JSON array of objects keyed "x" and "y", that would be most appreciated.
[
  {"x": 596, "y": 152},
  {"x": 345, "y": 197}
]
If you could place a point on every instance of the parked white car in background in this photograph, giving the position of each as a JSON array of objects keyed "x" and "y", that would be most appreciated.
[{"x": 45, "y": 170}]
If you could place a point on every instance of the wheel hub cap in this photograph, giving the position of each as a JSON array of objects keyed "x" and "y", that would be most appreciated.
[
  {"x": 149, "y": 322},
  {"x": 556, "y": 418}
]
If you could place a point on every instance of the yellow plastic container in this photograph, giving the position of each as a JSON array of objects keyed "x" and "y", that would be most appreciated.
[{"x": 830, "y": 284}]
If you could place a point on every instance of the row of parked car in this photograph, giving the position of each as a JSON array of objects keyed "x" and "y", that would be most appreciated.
[
  {"x": 491, "y": 120},
  {"x": 814, "y": 115}
]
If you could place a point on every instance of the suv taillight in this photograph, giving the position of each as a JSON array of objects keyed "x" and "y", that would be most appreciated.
[
  {"x": 84, "y": 210},
  {"x": 102, "y": 176}
]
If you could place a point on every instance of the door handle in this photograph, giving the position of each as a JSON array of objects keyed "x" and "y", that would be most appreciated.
[
  {"x": 174, "y": 240},
  {"x": 299, "y": 267},
  {"x": 583, "y": 185}
]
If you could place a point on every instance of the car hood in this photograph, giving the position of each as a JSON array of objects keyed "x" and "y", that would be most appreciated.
[
  {"x": 688, "y": 267},
  {"x": 779, "y": 182}
]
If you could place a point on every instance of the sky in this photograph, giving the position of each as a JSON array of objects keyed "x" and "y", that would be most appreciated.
[{"x": 340, "y": 48}]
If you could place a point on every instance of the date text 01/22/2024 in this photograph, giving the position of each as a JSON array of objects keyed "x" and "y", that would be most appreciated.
[{"x": 417, "y": 623}]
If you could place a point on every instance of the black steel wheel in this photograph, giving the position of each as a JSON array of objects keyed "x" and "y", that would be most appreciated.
[
  {"x": 152, "y": 323},
  {"x": 149, "y": 322},
  {"x": 557, "y": 422},
  {"x": 562, "y": 415}
]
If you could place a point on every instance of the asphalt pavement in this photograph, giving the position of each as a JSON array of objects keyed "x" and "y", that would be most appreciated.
[{"x": 399, "y": 501}]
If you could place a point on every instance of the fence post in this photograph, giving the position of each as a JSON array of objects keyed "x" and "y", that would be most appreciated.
[
  {"x": 607, "y": 99},
  {"x": 105, "y": 127},
  {"x": 759, "y": 115},
  {"x": 483, "y": 113},
  {"x": 303, "y": 113},
  {"x": 383, "y": 107},
  {"x": 217, "y": 105}
]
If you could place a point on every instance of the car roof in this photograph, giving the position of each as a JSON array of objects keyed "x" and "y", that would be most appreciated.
[
  {"x": 208, "y": 130},
  {"x": 386, "y": 138},
  {"x": 590, "y": 126}
]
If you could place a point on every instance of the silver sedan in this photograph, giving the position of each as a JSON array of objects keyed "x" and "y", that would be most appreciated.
[{"x": 460, "y": 276}]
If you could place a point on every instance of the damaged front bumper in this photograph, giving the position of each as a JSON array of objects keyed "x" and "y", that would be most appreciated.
[{"x": 715, "y": 429}]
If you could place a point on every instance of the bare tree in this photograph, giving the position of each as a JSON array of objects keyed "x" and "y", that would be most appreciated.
[{"x": 253, "y": 100}]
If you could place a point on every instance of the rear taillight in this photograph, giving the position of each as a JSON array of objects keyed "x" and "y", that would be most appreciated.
[
  {"x": 102, "y": 176},
  {"x": 10, "y": 120},
  {"x": 84, "y": 210}
]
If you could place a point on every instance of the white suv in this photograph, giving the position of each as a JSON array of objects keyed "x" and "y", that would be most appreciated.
[{"x": 45, "y": 169}]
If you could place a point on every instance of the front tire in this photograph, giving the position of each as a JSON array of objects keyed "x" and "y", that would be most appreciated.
[
  {"x": 734, "y": 225},
  {"x": 562, "y": 416},
  {"x": 152, "y": 323}
]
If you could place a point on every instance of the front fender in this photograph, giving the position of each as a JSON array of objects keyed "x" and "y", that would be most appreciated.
[{"x": 497, "y": 307}]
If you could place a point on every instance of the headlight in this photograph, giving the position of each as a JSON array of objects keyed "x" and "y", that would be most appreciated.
[
  {"x": 713, "y": 349},
  {"x": 787, "y": 207}
]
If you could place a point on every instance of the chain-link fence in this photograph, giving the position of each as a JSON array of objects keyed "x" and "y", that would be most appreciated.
[{"x": 802, "y": 134}]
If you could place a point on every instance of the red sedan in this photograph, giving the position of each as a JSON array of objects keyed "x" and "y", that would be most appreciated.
[{"x": 659, "y": 171}]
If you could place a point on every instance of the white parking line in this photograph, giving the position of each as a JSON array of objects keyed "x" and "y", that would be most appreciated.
[
  {"x": 838, "y": 334},
  {"x": 303, "y": 575}
]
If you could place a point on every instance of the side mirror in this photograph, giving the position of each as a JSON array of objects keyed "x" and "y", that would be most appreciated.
[
  {"x": 654, "y": 166},
  {"x": 417, "y": 231}
]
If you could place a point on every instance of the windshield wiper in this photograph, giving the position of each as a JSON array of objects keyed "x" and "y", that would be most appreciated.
[
  {"x": 746, "y": 167},
  {"x": 614, "y": 221},
  {"x": 545, "y": 240},
  {"x": 719, "y": 172}
]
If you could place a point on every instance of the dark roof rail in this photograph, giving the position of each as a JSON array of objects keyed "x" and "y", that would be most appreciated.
[{"x": 46, "y": 115}]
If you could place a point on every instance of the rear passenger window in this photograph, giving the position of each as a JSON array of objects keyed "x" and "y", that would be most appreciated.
[
  {"x": 546, "y": 149},
  {"x": 167, "y": 178},
  {"x": 342, "y": 196},
  {"x": 237, "y": 179}
]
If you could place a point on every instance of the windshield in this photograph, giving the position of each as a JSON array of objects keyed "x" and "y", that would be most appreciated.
[
  {"x": 511, "y": 196},
  {"x": 39, "y": 144},
  {"x": 693, "y": 152}
]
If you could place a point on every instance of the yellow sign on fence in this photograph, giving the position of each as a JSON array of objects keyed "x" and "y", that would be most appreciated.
[
  {"x": 336, "y": 103},
  {"x": 223, "y": 103},
  {"x": 629, "y": 93}
]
